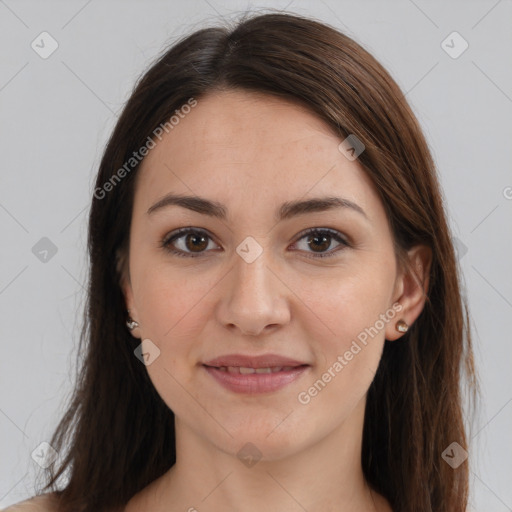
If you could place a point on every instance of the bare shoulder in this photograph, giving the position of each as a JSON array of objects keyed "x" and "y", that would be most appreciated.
[{"x": 41, "y": 503}]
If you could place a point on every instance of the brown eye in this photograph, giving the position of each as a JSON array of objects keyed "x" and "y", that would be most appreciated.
[
  {"x": 320, "y": 240},
  {"x": 186, "y": 242},
  {"x": 195, "y": 242},
  {"x": 190, "y": 242}
]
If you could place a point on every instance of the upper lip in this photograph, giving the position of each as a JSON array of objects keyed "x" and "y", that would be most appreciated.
[{"x": 263, "y": 361}]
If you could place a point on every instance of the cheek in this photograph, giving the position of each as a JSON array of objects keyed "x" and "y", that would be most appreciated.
[
  {"x": 171, "y": 301},
  {"x": 356, "y": 309},
  {"x": 349, "y": 302},
  {"x": 173, "y": 309}
]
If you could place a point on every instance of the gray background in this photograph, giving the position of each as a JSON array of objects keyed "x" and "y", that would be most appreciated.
[{"x": 56, "y": 114}]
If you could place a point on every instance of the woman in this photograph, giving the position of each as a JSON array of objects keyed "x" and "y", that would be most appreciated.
[{"x": 268, "y": 212}]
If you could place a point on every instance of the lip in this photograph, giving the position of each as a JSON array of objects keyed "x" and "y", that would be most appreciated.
[
  {"x": 253, "y": 383},
  {"x": 262, "y": 361}
]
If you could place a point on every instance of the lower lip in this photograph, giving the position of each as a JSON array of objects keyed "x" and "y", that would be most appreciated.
[{"x": 252, "y": 383}]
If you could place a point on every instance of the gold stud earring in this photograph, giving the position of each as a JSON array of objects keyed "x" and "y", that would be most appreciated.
[{"x": 401, "y": 326}]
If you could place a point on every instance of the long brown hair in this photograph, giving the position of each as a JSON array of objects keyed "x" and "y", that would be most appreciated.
[{"x": 117, "y": 435}]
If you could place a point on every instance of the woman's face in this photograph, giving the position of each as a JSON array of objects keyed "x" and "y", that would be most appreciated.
[{"x": 254, "y": 282}]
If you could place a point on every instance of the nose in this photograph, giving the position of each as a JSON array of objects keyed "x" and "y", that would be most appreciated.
[{"x": 254, "y": 297}]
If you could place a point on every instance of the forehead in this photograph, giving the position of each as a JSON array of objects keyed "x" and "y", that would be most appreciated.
[{"x": 255, "y": 145}]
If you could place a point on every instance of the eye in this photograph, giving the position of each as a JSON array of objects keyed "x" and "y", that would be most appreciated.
[
  {"x": 189, "y": 239},
  {"x": 321, "y": 239},
  {"x": 192, "y": 242}
]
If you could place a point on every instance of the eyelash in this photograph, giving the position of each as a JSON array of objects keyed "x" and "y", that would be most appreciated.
[{"x": 167, "y": 241}]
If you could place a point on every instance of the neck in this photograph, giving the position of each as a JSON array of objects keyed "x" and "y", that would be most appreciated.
[{"x": 324, "y": 476}]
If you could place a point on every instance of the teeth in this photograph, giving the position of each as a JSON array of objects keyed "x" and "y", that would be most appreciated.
[
  {"x": 244, "y": 370},
  {"x": 262, "y": 370}
]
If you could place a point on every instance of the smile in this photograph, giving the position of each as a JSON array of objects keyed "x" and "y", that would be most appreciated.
[
  {"x": 241, "y": 369},
  {"x": 255, "y": 380}
]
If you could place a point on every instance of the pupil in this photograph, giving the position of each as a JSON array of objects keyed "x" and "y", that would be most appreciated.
[
  {"x": 323, "y": 237},
  {"x": 202, "y": 239}
]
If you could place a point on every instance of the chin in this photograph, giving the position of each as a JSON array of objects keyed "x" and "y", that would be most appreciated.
[{"x": 273, "y": 439}]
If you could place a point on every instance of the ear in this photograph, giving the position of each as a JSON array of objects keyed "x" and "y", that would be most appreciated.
[
  {"x": 411, "y": 288},
  {"x": 126, "y": 288}
]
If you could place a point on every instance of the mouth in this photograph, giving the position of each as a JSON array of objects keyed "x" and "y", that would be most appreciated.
[
  {"x": 251, "y": 375},
  {"x": 247, "y": 370}
]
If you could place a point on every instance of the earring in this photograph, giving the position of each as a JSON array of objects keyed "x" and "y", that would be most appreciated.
[
  {"x": 131, "y": 324},
  {"x": 401, "y": 326}
]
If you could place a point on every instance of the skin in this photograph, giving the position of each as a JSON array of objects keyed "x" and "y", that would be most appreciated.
[{"x": 253, "y": 152}]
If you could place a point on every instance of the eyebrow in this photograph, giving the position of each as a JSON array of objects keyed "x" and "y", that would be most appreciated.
[{"x": 287, "y": 210}]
